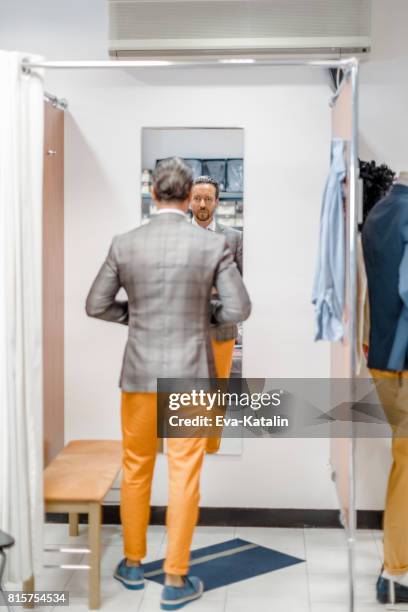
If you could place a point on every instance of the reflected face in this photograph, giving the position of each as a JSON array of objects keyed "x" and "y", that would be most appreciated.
[{"x": 203, "y": 202}]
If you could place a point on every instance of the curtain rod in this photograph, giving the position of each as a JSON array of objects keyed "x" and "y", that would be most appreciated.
[{"x": 27, "y": 65}]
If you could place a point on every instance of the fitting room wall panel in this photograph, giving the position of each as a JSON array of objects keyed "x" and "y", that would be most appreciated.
[
  {"x": 53, "y": 282},
  {"x": 342, "y": 122}
]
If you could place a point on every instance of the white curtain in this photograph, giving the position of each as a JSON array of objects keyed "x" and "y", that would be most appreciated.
[{"x": 21, "y": 447}]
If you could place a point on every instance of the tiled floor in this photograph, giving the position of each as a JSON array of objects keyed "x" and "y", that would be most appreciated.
[{"x": 319, "y": 585}]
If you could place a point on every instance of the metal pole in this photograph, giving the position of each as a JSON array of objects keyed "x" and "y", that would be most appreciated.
[
  {"x": 354, "y": 173},
  {"x": 27, "y": 65}
]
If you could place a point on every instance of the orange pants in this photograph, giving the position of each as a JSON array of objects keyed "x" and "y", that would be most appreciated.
[
  {"x": 185, "y": 458},
  {"x": 223, "y": 352},
  {"x": 392, "y": 389}
]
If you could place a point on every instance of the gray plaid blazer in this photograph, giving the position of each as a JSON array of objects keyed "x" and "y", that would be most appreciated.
[
  {"x": 234, "y": 242},
  {"x": 168, "y": 269}
]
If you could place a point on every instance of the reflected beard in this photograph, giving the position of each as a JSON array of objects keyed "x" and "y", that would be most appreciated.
[{"x": 203, "y": 215}]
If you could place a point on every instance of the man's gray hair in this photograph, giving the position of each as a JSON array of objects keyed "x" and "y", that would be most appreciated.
[
  {"x": 208, "y": 180},
  {"x": 172, "y": 180}
]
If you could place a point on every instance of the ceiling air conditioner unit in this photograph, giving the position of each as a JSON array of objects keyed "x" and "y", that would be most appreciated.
[{"x": 184, "y": 29}]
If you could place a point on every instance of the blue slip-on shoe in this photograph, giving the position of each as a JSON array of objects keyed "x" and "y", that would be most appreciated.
[
  {"x": 383, "y": 591},
  {"x": 131, "y": 577},
  {"x": 174, "y": 598}
]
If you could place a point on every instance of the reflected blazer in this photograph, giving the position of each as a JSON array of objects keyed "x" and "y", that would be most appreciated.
[
  {"x": 168, "y": 269},
  {"x": 234, "y": 242}
]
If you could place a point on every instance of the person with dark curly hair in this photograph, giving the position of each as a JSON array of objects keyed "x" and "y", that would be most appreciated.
[{"x": 385, "y": 244}]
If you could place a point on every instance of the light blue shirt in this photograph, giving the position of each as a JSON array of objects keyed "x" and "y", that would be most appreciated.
[
  {"x": 210, "y": 226},
  {"x": 328, "y": 288},
  {"x": 160, "y": 211}
]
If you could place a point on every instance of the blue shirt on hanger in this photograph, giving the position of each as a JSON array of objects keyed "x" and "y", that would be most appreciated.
[{"x": 328, "y": 288}]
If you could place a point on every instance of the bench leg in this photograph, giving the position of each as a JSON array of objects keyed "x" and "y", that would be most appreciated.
[
  {"x": 95, "y": 555},
  {"x": 73, "y": 523},
  {"x": 29, "y": 587}
]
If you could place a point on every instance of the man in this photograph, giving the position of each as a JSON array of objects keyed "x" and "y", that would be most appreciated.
[
  {"x": 385, "y": 244},
  {"x": 204, "y": 202},
  {"x": 168, "y": 269}
]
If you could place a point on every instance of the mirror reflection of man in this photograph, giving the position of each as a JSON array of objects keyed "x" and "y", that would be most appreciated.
[{"x": 203, "y": 204}]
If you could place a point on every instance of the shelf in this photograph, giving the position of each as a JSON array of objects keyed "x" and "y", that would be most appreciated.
[
  {"x": 231, "y": 195},
  {"x": 225, "y": 195}
]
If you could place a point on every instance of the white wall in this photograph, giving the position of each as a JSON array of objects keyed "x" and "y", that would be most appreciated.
[
  {"x": 283, "y": 187},
  {"x": 286, "y": 120}
]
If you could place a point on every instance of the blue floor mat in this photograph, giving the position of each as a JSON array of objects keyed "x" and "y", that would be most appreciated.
[{"x": 228, "y": 562}]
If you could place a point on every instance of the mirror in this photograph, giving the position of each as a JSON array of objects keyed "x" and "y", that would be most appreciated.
[{"x": 218, "y": 206}]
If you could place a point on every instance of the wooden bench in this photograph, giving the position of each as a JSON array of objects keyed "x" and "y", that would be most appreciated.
[{"x": 77, "y": 481}]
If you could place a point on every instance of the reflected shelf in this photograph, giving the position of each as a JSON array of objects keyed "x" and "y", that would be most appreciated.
[{"x": 224, "y": 195}]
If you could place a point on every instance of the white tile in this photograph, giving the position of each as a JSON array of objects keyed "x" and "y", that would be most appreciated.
[
  {"x": 364, "y": 535},
  {"x": 289, "y": 541},
  {"x": 78, "y": 607},
  {"x": 57, "y": 533},
  {"x": 379, "y": 541},
  {"x": 334, "y": 537},
  {"x": 204, "y": 604},
  {"x": 330, "y": 607},
  {"x": 78, "y": 583},
  {"x": 112, "y": 534},
  {"x": 367, "y": 558},
  {"x": 219, "y": 594},
  {"x": 149, "y": 605},
  {"x": 156, "y": 532},
  {"x": 327, "y": 552},
  {"x": 111, "y": 556},
  {"x": 325, "y": 537},
  {"x": 266, "y": 604},
  {"x": 118, "y": 598},
  {"x": 328, "y": 588},
  {"x": 152, "y": 589},
  {"x": 114, "y": 596},
  {"x": 324, "y": 559},
  {"x": 344, "y": 607},
  {"x": 59, "y": 558},
  {"x": 289, "y": 584},
  {"x": 55, "y": 579},
  {"x": 207, "y": 536},
  {"x": 366, "y": 592},
  {"x": 334, "y": 588}
]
